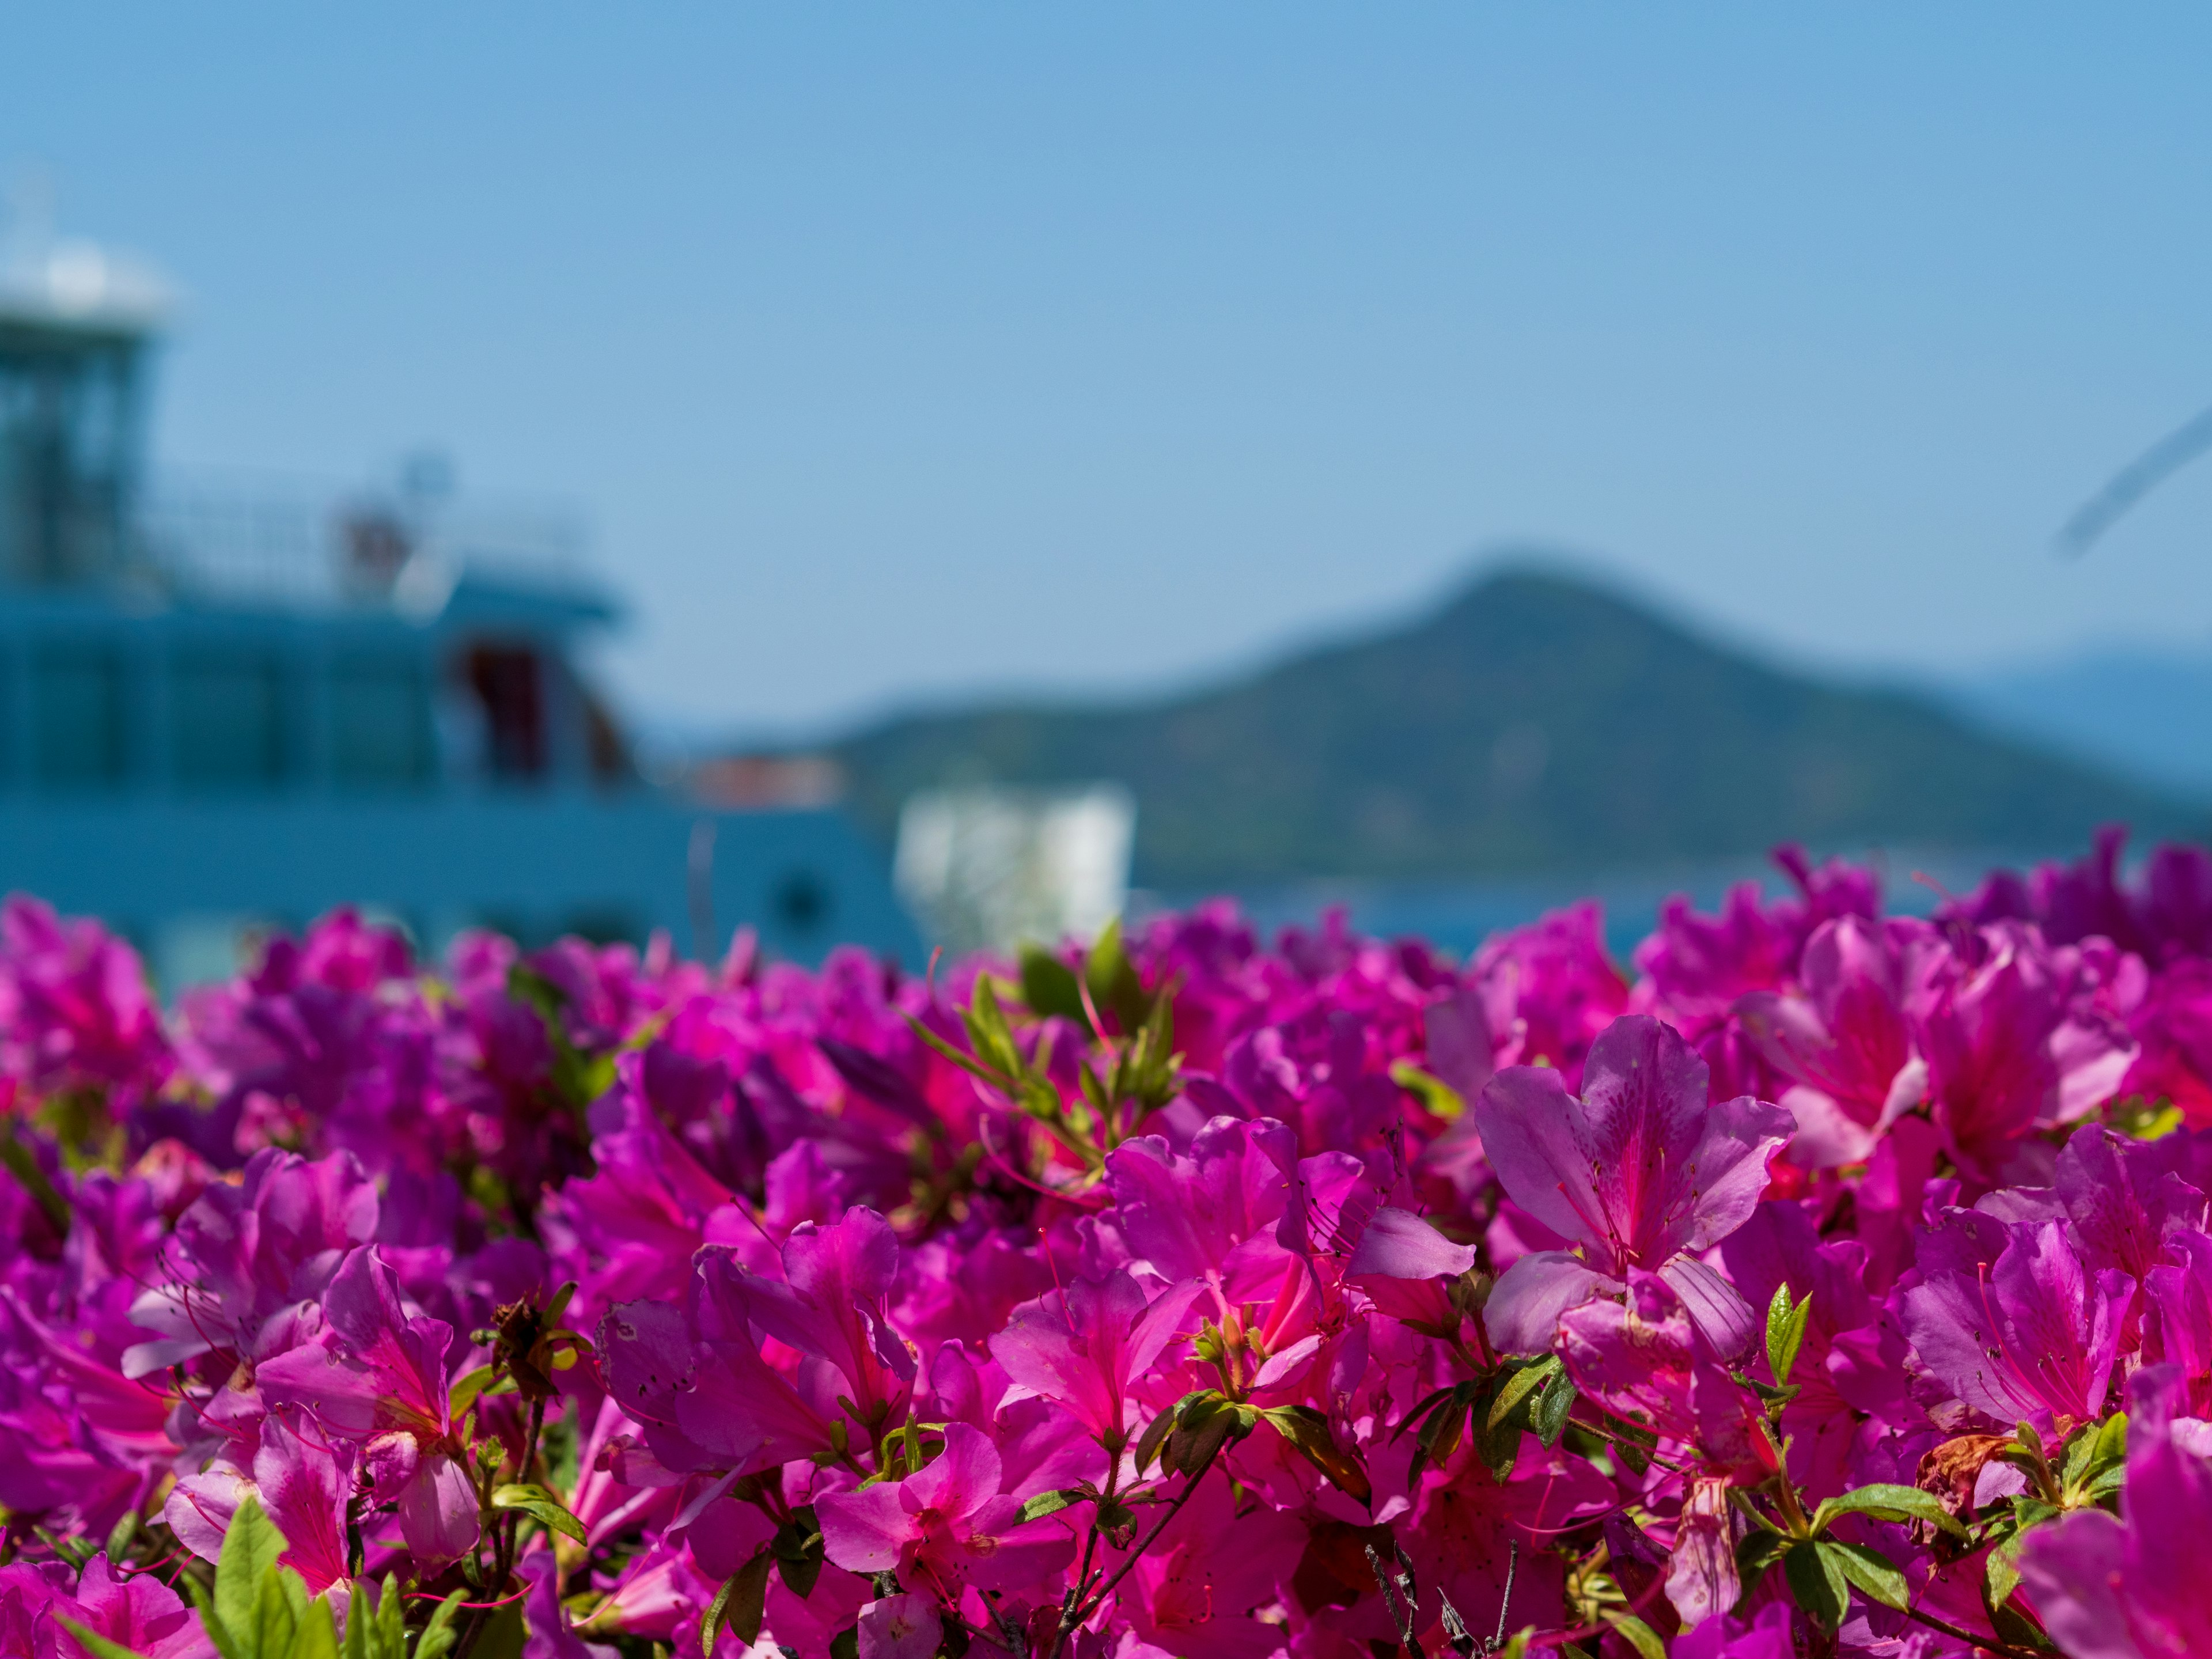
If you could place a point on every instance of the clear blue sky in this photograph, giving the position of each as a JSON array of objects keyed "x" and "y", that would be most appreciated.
[{"x": 900, "y": 350}]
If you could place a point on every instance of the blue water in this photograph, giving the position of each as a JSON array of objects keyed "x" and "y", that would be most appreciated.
[{"x": 1457, "y": 916}]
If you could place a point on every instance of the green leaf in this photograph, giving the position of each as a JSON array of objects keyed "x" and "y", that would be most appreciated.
[
  {"x": 217, "y": 1631},
  {"x": 1437, "y": 1097},
  {"x": 1887, "y": 1502},
  {"x": 1499, "y": 1447},
  {"x": 1156, "y": 1430},
  {"x": 1206, "y": 1426},
  {"x": 316, "y": 1636},
  {"x": 1638, "y": 1635},
  {"x": 1440, "y": 1435},
  {"x": 1517, "y": 1386},
  {"x": 2001, "y": 1569},
  {"x": 2143, "y": 1119},
  {"x": 1816, "y": 1577},
  {"x": 375, "y": 1627},
  {"x": 1113, "y": 981},
  {"x": 741, "y": 1603},
  {"x": 540, "y": 1505},
  {"x": 467, "y": 1388},
  {"x": 1785, "y": 1331},
  {"x": 98, "y": 1645},
  {"x": 988, "y": 1029},
  {"x": 244, "y": 1574},
  {"x": 2109, "y": 1443},
  {"x": 1307, "y": 1429},
  {"x": 1872, "y": 1572},
  {"x": 960, "y": 1057},
  {"x": 1550, "y": 1418},
  {"x": 77, "y": 1551},
  {"x": 1050, "y": 1502},
  {"x": 1428, "y": 1403},
  {"x": 1755, "y": 1551},
  {"x": 443, "y": 1632},
  {"x": 2026, "y": 1453},
  {"x": 503, "y": 1636},
  {"x": 120, "y": 1537},
  {"x": 1049, "y": 986},
  {"x": 276, "y": 1618},
  {"x": 797, "y": 1549}
]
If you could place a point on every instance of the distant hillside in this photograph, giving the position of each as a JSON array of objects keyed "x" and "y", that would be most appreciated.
[
  {"x": 2147, "y": 714},
  {"x": 1533, "y": 724}
]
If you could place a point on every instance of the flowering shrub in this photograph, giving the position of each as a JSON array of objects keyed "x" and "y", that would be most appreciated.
[{"x": 1832, "y": 1281}]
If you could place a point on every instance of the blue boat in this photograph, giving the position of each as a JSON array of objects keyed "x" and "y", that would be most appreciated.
[{"x": 223, "y": 710}]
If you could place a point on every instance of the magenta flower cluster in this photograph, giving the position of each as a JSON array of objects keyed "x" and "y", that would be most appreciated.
[{"x": 1824, "y": 1281}]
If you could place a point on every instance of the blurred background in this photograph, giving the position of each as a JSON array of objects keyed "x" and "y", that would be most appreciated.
[{"x": 708, "y": 468}]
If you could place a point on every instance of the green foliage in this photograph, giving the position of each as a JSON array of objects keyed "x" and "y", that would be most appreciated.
[
  {"x": 1051, "y": 1503},
  {"x": 1437, "y": 1096},
  {"x": 740, "y": 1604},
  {"x": 259, "y": 1610},
  {"x": 1528, "y": 1393},
  {"x": 1871, "y": 1571},
  {"x": 1887, "y": 1502},
  {"x": 1821, "y": 1571},
  {"x": 2144, "y": 1118},
  {"x": 1110, "y": 984},
  {"x": 1204, "y": 1424},
  {"x": 1157, "y": 1431},
  {"x": 1785, "y": 1333},
  {"x": 2091, "y": 1467},
  {"x": 98, "y": 1645},
  {"x": 1307, "y": 1430},
  {"x": 1647, "y": 1642},
  {"x": 542, "y": 1506},
  {"x": 376, "y": 1625},
  {"x": 121, "y": 1536},
  {"x": 1049, "y": 987},
  {"x": 1143, "y": 1072},
  {"x": 797, "y": 1547},
  {"x": 1187, "y": 1437},
  {"x": 578, "y": 1077},
  {"x": 1817, "y": 1583},
  {"x": 443, "y": 1633}
]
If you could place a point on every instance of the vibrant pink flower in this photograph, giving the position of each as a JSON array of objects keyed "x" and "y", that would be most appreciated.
[
  {"x": 2131, "y": 1587},
  {"x": 900, "y": 1627},
  {"x": 946, "y": 1526},
  {"x": 2013, "y": 1323},
  {"x": 1085, "y": 1347},
  {"x": 1641, "y": 1172},
  {"x": 136, "y": 1612},
  {"x": 1844, "y": 1043},
  {"x": 377, "y": 1377}
]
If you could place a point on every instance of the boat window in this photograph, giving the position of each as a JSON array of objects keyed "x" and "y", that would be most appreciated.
[
  {"x": 380, "y": 721},
  {"x": 77, "y": 694},
  {"x": 226, "y": 714},
  {"x": 802, "y": 901},
  {"x": 507, "y": 681}
]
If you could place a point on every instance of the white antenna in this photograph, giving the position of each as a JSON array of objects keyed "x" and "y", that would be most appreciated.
[{"x": 69, "y": 282}]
